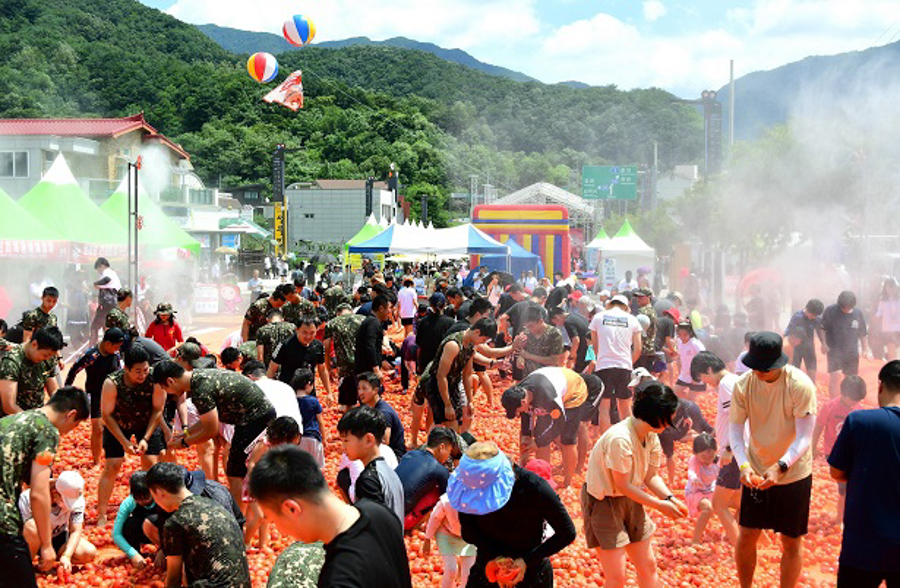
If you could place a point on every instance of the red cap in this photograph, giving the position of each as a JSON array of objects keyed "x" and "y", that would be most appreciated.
[
  {"x": 543, "y": 469},
  {"x": 577, "y": 294},
  {"x": 674, "y": 313}
]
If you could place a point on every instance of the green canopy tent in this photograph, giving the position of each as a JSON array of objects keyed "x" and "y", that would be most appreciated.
[
  {"x": 369, "y": 230},
  {"x": 22, "y": 235},
  {"x": 60, "y": 204},
  {"x": 158, "y": 232}
]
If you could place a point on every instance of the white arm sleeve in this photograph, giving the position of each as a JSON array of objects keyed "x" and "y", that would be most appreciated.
[
  {"x": 736, "y": 438},
  {"x": 802, "y": 441}
]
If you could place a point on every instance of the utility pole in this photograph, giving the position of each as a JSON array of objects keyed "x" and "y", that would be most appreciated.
[{"x": 731, "y": 109}]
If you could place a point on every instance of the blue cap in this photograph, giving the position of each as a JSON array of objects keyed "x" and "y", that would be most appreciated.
[{"x": 437, "y": 299}]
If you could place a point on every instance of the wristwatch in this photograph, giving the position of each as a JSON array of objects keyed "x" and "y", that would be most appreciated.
[{"x": 782, "y": 466}]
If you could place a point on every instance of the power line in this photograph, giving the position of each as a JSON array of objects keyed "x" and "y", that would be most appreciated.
[{"x": 886, "y": 31}]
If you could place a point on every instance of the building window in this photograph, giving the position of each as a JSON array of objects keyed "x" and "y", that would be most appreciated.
[
  {"x": 200, "y": 196},
  {"x": 251, "y": 195},
  {"x": 13, "y": 164},
  {"x": 309, "y": 215}
]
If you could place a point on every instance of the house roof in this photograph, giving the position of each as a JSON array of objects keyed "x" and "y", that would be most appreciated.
[
  {"x": 544, "y": 193},
  {"x": 87, "y": 127},
  {"x": 347, "y": 185}
]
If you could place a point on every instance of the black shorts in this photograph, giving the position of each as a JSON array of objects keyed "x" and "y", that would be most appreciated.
[
  {"x": 436, "y": 404},
  {"x": 729, "y": 476},
  {"x": 547, "y": 429},
  {"x": 784, "y": 509},
  {"x": 244, "y": 435},
  {"x": 59, "y": 541},
  {"x": 805, "y": 354},
  {"x": 419, "y": 395},
  {"x": 595, "y": 393},
  {"x": 133, "y": 528},
  {"x": 850, "y": 577},
  {"x": 112, "y": 449},
  {"x": 95, "y": 405},
  {"x": 843, "y": 362},
  {"x": 615, "y": 383},
  {"x": 478, "y": 368},
  {"x": 406, "y": 322},
  {"x": 347, "y": 394}
]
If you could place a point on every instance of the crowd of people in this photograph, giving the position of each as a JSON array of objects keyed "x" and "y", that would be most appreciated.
[{"x": 609, "y": 379}]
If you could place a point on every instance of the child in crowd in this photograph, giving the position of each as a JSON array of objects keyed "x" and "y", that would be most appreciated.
[
  {"x": 361, "y": 430},
  {"x": 232, "y": 359},
  {"x": 66, "y": 521},
  {"x": 304, "y": 386},
  {"x": 688, "y": 347},
  {"x": 739, "y": 367},
  {"x": 282, "y": 430},
  {"x": 164, "y": 330},
  {"x": 702, "y": 474},
  {"x": 128, "y": 530},
  {"x": 458, "y": 556},
  {"x": 831, "y": 418}
]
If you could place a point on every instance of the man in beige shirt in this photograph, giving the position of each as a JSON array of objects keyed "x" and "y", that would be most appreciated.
[
  {"x": 779, "y": 403},
  {"x": 623, "y": 462}
]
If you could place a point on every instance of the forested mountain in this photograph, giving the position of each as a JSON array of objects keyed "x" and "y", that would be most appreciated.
[
  {"x": 238, "y": 41},
  {"x": 366, "y": 106}
]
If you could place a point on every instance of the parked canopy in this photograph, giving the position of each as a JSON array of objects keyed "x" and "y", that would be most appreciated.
[
  {"x": 626, "y": 242},
  {"x": 158, "y": 231},
  {"x": 460, "y": 241},
  {"x": 368, "y": 230},
  {"x": 60, "y": 204},
  {"x": 519, "y": 259},
  {"x": 601, "y": 239}
]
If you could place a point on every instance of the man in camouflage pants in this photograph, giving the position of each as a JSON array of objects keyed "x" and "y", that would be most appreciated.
[
  {"x": 220, "y": 396},
  {"x": 118, "y": 315},
  {"x": 29, "y": 440},
  {"x": 340, "y": 337},
  {"x": 270, "y": 336},
  {"x": 131, "y": 408},
  {"x": 42, "y": 316},
  {"x": 27, "y": 370},
  {"x": 200, "y": 536}
]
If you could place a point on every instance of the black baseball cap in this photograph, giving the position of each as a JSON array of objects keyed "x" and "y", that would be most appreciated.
[
  {"x": 114, "y": 335},
  {"x": 765, "y": 353}
]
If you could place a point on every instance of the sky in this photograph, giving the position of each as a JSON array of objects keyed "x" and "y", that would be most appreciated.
[{"x": 683, "y": 46}]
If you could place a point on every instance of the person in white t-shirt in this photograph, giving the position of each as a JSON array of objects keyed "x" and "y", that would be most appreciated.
[
  {"x": 616, "y": 339},
  {"x": 408, "y": 302},
  {"x": 688, "y": 348},
  {"x": 66, "y": 521},
  {"x": 629, "y": 283},
  {"x": 710, "y": 369},
  {"x": 107, "y": 288},
  {"x": 279, "y": 394}
]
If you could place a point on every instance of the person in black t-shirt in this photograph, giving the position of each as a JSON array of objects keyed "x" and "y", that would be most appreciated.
[
  {"x": 579, "y": 331},
  {"x": 843, "y": 332},
  {"x": 431, "y": 331},
  {"x": 370, "y": 337},
  {"x": 302, "y": 351},
  {"x": 364, "y": 544},
  {"x": 515, "y": 293}
]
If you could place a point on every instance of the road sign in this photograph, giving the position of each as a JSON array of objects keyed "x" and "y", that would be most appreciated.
[
  {"x": 279, "y": 226},
  {"x": 609, "y": 182}
]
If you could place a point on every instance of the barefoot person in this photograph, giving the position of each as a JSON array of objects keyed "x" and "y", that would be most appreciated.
[{"x": 779, "y": 403}]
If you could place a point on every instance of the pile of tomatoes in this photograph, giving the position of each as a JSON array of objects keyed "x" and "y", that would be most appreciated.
[{"x": 680, "y": 563}]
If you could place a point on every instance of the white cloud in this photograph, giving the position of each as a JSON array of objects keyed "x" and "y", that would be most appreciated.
[
  {"x": 600, "y": 50},
  {"x": 654, "y": 10}
]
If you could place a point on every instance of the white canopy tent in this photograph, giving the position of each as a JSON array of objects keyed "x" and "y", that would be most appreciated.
[
  {"x": 624, "y": 252},
  {"x": 458, "y": 241}
]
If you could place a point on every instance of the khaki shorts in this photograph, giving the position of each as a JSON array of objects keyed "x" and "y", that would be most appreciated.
[{"x": 614, "y": 522}]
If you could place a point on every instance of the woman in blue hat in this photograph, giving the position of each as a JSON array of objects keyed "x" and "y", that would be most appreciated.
[{"x": 502, "y": 510}]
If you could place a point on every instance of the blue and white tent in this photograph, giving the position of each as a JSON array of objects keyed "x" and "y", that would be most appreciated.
[
  {"x": 456, "y": 241},
  {"x": 519, "y": 260}
]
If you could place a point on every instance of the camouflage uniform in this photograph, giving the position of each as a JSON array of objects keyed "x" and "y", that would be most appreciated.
[
  {"x": 342, "y": 331},
  {"x": 239, "y": 401},
  {"x": 298, "y": 566},
  {"x": 334, "y": 297},
  {"x": 248, "y": 350},
  {"x": 32, "y": 320},
  {"x": 134, "y": 403},
  {"x": 648, "y": 346},
  {"x": 257, "y": 315},
  {"x": 550, "y": 343},
  {"x": 24, "y": 437},
  {"x": 294, "y": 313},
  {"x": 210, "y": 543},
  {"x": 271, "y": 336},
  {"x": 29, "y": 376},
  {"x": 116, "y": 318}
]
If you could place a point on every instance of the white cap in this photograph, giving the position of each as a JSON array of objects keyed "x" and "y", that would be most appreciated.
[
  {"x": 70, "y": 486},
  {"x": 638, "y": 375},
  {"x": 620, "y": 299},
  {"x": 604, "y": 293}
]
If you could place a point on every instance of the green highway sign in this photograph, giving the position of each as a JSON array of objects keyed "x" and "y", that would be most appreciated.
[{"x": 609, "y": 182}]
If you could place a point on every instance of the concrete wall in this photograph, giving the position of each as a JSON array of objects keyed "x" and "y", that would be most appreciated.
[{"x": 332, "y": 216}]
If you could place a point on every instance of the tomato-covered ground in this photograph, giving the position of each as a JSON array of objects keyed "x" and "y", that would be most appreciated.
[{"x": 680, "y": 562}]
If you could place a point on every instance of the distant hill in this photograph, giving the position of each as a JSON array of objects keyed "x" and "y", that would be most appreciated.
[
  {"x": 238, "y": 41},
  {"x": 767, "y": 98}
]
